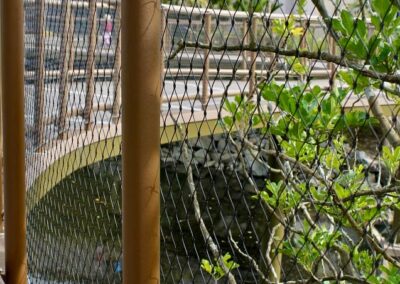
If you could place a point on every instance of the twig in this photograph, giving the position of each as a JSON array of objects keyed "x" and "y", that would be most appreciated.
[
  {"x": 268, "y": 251},
  {"x": 248, "y": 257},
  {"x": 203, "y": 228},
  {"x": 375, "y": 192},
  {"x": 360, "y": 231},
  {"x": 346, "y": 260},
  {"x": 376, "y": 109}
]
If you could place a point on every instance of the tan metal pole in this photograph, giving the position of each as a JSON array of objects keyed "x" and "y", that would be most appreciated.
[
  {"x": 253, "y": 57},
  {"x": 116, "y": 109},
  {"x": 141, "y": 89},
  {"x": 12, "y": 40},
  {"x": 40, "y": 72},
  {"x": 67, "y": 51},
  {"x": 206, "y": 65},
  {"x": 245, "y": 42},
  {"x": 1, "y": 145},
  {"x": 90, "y": 67}
]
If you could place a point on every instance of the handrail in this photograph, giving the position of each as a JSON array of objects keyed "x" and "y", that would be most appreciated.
[{"x": 250, "y": 60}]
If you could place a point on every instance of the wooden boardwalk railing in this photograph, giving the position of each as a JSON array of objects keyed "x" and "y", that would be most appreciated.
[{"x": 247, "y": 67}]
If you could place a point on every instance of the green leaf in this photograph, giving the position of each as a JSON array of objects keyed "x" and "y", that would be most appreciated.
[
  {"x": 287, "y": 102},
  {"x": 269, "y": 95},
  {"x": 228, "y": 121},
  {"x": 361, "y": 29},
  {"x": 255, "y": 120},
  {"x": 299, "y": 68},
  {"x": 347, "y": 21},
  {"x": 341, "y": 191},
  {"x": 337, "y": 26},
  {"x": 206, "y": 266},
  {"x": 376, "y": 21},
  {"x": 381, "y": 7}
]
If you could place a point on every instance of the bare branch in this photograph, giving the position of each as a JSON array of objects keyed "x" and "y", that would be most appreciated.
[
  {"x": 312, "y": 55},
  {"x": 203, "y": 228},
  {"x": 248, "y": 257}
]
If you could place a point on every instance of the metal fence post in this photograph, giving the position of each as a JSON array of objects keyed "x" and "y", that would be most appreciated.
[
  {"x": 90, "y": 65},
  {"x": 1, "y": 143},
  {"x": 206, "y": 66},
  {"x": 39, "y": 84},
  {"x": 332, "y": 50},
  {"x": 116, "y": 108},
  {"x": 141, "y": 89},
  {"x": 253, "y": 56},
  {"x": 245, "y": 42},
  {"x": 12, "y": 41},
  {"x": 67, "y": 53},
  {"x": 303, "y": 46}
]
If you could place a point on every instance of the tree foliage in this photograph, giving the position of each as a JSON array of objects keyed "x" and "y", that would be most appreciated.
[{"x": 321, "y": 184}]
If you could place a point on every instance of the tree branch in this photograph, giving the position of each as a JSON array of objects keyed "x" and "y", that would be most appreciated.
[
  {"x": 312, "y": 55},
  {"x": 203, "y": 228},
  {"x": 376, "y": 109}
]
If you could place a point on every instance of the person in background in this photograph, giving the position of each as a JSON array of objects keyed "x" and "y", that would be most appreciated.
[{"x": 108, "y": 30}]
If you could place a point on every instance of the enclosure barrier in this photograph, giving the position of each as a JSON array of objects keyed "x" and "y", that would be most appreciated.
[{"x": 242, "y": 143}]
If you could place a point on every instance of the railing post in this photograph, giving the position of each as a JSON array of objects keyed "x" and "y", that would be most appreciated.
[
  {"x": 141, "y": 89},
  {"x": 1, "y": 143},
  {"x": 206, "y": 66},
  {"x": 116, "y": 108},
  {"x": 332, "y": 66},
  {"x": 245, "y": 42},
  {"x": 253, "y": 56},
  {"x": 90, "y": 66},
  {"x": 67, "y": 55},
  {"x": 12, "y": 41},
  {"x": 303, "y": 46},
  {"x": 39, "y": 84}
]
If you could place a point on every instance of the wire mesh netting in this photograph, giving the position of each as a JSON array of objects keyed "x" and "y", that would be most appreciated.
[
  {"x": 280, "y": 145},
  {"x": 72, "y": 83}
]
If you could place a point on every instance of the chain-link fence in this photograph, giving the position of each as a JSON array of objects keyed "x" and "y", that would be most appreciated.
[{"x": 280, "y": 146}]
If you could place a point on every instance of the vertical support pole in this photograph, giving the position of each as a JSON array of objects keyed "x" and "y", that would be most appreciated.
[
  {"x": 116, "y": 108},
  {"x": 39, "y": 84},
  {"x": 332, "y": 66},
  {"x": 1, "y": 141},
  {"x": 271, "y": 55},
  {"x": 141, "y": 88},
  {"x": 67, "y": 53},
  {"x": 206, "y": 66},
  {"x": 303, "y": 46},
  {"x": 245, "y": 42},
  {"x": 90, "y": 66},
  {"x": 253, "y": 57},
  {"x": 12, "y": 41}
]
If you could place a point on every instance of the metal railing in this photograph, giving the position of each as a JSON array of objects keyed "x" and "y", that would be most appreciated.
[{"x": 180, "y": 22}]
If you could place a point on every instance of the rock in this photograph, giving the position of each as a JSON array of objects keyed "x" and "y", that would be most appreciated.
[
  {"x": 221, "y": 146},
  {"x": 215, "y": 156},
  {"x": 257, "y": 168},
  {"x": 250, "y": 188},
  {"x": 201, "y": 156},
  {"x": 202, "y": 142},
  {"x": 217, "y": 137},
  {"x": 228, "y": 158},
  {"x": 210, "y": 163},
  {"x": 176, "y": 153},
  {"x": 168, "y": 161}
]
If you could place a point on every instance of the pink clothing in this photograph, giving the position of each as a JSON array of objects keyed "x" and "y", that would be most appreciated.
[{"x": 109, "y": 26}]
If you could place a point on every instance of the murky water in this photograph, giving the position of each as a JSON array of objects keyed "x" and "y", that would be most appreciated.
[{"x": 74, "y": 233}]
